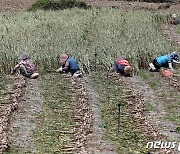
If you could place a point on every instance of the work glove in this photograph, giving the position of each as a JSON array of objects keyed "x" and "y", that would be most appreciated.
[{"x": 59, "y": 70}]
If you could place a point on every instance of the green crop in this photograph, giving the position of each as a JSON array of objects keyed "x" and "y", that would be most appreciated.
[{"x": 82, "y": 33}]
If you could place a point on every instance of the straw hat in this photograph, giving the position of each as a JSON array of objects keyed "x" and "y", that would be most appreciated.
[
  {"x": 128, "y": 70},
  {"x": 63, "y": 58}
]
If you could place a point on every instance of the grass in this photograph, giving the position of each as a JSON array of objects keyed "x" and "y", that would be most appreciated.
[
  {"x": 57, "y": 94},
  {"x": 5, "y": 82},
  {"x": 177, "y": 29},
  {"x": 82, "y": 33},
  {"x": 130, "y": 139}
]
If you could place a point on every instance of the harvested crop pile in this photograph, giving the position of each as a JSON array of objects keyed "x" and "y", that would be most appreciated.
[
  {"x": 82, "y": 119},
  {"x": 175, "y": 82},
  {"x": 7, "y": 106}
]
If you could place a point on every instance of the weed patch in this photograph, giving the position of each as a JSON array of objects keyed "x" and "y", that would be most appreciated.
[{"x": 57, "y": 4}]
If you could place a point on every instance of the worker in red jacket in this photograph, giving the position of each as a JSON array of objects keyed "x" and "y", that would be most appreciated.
[{"x": 122, "y": 66}]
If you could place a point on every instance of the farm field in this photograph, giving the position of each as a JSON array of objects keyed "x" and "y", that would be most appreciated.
[
  {"x": 106, "y": 32},
  {"x": 59, "y": 114},
  {"x": 177, "y": 29}
]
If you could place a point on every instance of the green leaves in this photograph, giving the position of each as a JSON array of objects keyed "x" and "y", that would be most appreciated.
[{"x": 81, "y": 33}]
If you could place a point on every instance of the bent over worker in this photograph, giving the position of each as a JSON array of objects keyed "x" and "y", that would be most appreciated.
[
  {"x": 69, "y": 64},
  {"x": 122, "y": 66},
  {"x": 165, "y": 61}
]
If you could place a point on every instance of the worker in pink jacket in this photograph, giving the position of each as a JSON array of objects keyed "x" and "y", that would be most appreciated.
[
  {"x": 26, "y": 66},
  {"x": 122, "y": 66}
]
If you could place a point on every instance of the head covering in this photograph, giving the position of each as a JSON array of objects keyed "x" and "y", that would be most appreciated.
[
  {"x": 174, "y": 15},
  {"x": 128, "y": 70},
  {"x": 174, "y": 56},
  {"x": 63, "y": 58},
  {"x": 24, "y": 56},
  {"x": 119, "y": 57}
]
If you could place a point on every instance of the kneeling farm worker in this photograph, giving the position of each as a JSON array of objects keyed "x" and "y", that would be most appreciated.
[
  {"x": 69, "y": 64},
  {"x": 26, "y": 66},
  {"x": 122, "y": 66},
  {"x": 164, "y": 61}
]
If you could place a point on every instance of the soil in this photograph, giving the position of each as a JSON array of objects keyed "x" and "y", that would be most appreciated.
[
  {"x": 153, "y": 122},
  {"x": 168, "y": 7},
  {"x": 169, "y": 32},
  {"x": 15, "y": 5},
  {"x": 30, "y": 106},
  {"x": 158, "y": 113},
  {"x": 22, "y": 121},
  {"x": 95, "y": 143}
]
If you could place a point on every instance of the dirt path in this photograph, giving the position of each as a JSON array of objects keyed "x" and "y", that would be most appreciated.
[
  {"x": 8, "y": 103},
  {"x": 15, "y": 5},
  {"x": 153, "y": 122},
  {"x": 158, "y": 113},
  {"x": 95, "y": 143},
  {"x": 169, "y": 32},
  {"x": 130, "y": 5},
  {"x": 23, "y": 120}
]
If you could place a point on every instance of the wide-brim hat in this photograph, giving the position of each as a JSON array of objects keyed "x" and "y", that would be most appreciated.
[{"x": 128, "y": 70}]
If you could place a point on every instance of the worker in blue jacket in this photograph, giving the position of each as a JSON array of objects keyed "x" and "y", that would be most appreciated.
[
  {"x": 69, "y": 64},
  {"x": 164, "y": 61}
]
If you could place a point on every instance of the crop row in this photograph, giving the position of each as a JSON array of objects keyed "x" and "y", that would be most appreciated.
[{"x": 82, "y": 33}]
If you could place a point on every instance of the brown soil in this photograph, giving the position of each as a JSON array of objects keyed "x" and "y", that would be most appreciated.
[
  {"x": 168, "y": 7},
  {"x": 15, "y": 5},
  {"x": 154, "y": 123},
  {"x": 95, "y": 143},
  {"x": 169, "y": 32},
  {"x": 8, "y": 105},
  {"x": 22, "y": 122}
]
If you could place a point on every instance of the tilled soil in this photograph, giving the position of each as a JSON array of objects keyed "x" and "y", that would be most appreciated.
[
  {"x": 15, "y": 5},
  {"x": 154, "y": 122},
  {"x": 127, "y": 5},
  {"x": 169, "y": 32},
  {"x": 22, "y": 122},
  {"x": 7, "y": 106},
  {"x": 157, "y": 115},
  {"x": 95, "y": 143}
]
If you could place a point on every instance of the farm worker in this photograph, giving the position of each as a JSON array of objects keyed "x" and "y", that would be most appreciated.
[
  {"x": 69, "y": 64},
  {"x": 26, "y": 66},
  {"x": 122, "y": 66},
  {"x": 164, "y": 61},
  {"x": 174, "y": 20}
]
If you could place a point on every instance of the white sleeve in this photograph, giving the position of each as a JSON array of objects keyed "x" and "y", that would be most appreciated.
[
  {"x": 177, "y": 62},
  {"x": 170, "y": 66}
]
